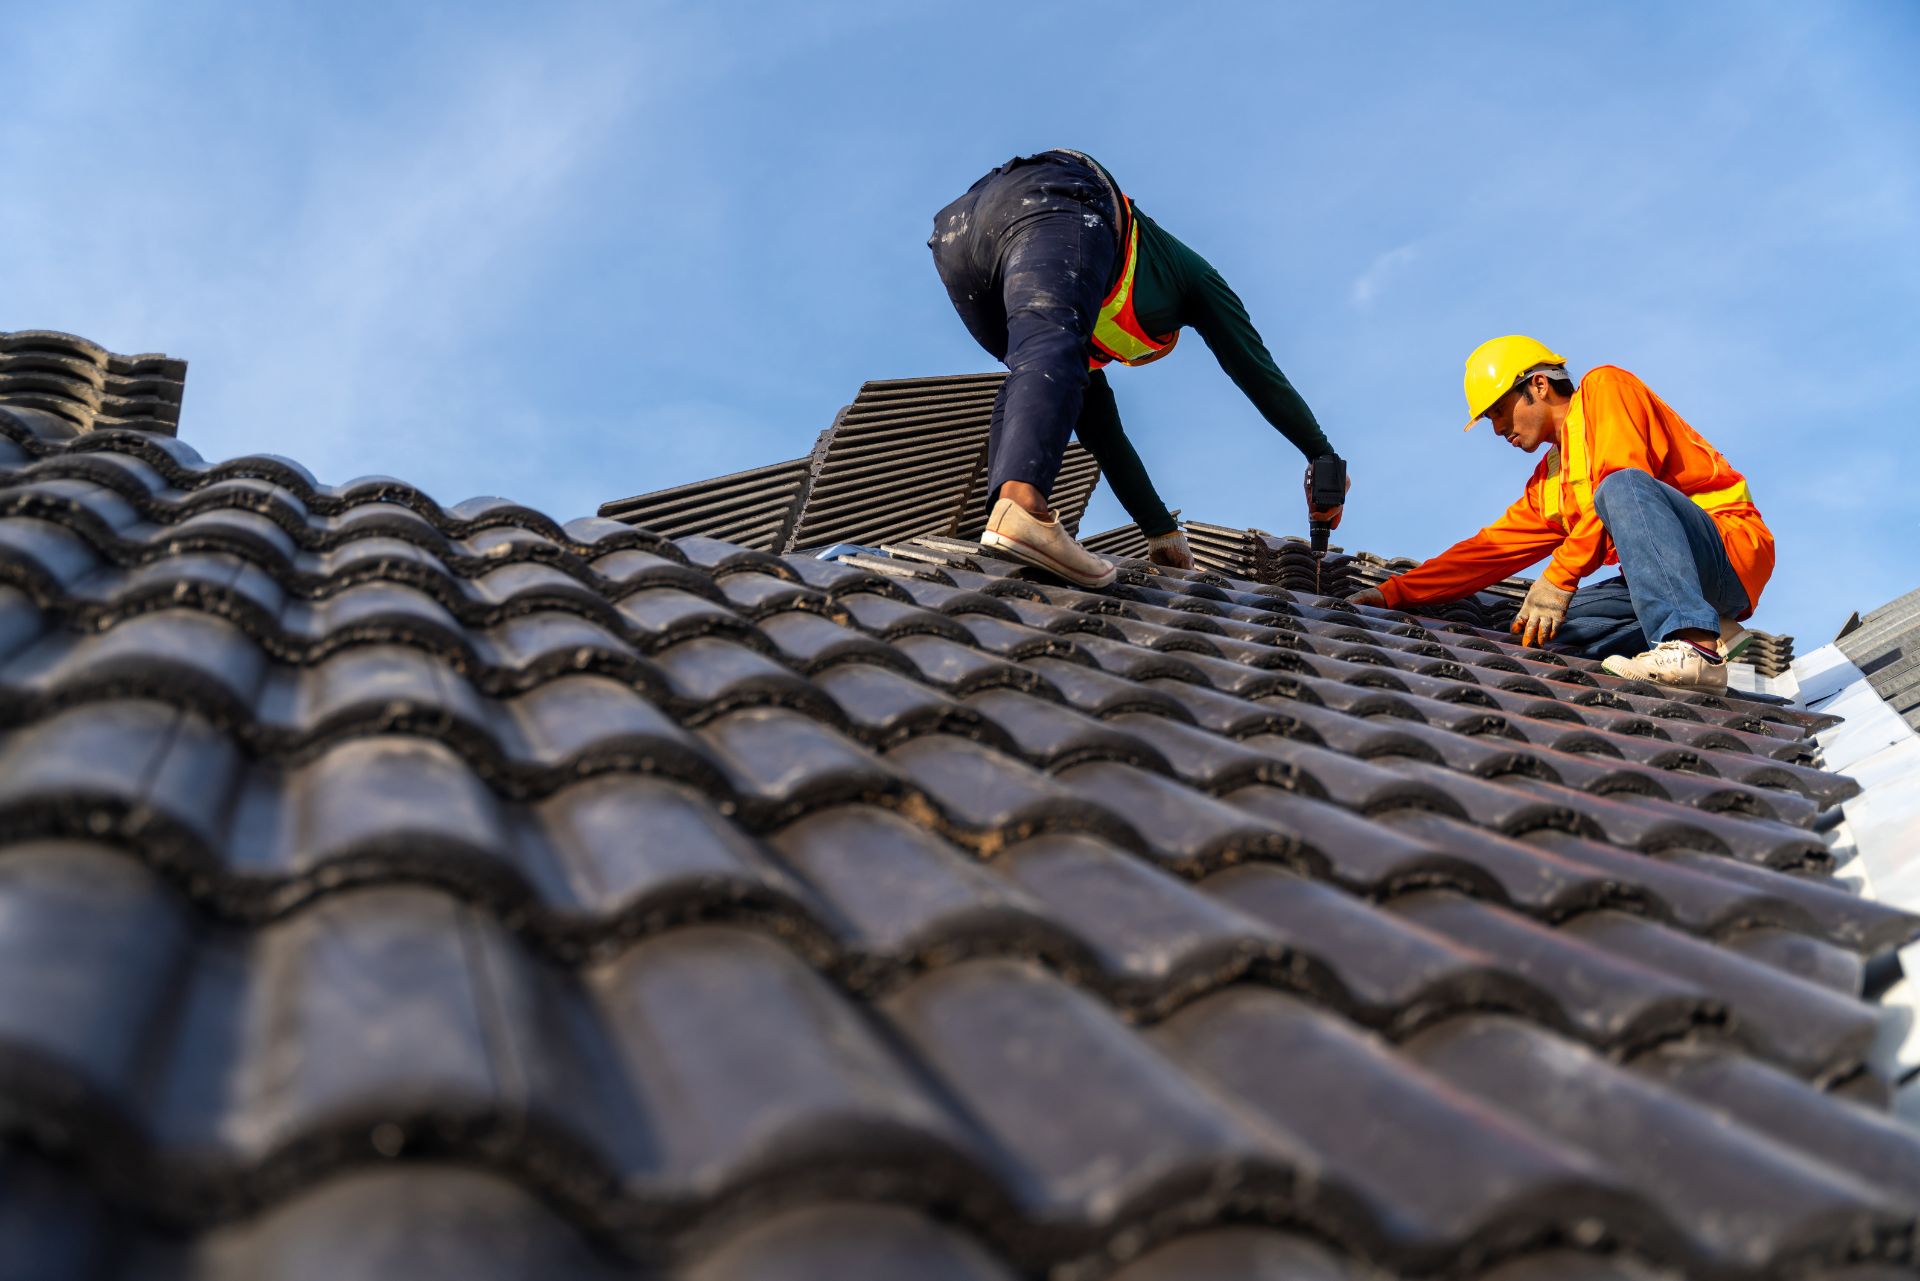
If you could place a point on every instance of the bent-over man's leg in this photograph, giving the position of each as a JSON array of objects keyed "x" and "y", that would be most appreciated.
[
  {"x": 1671, "y": 554},
  {"x": 1053, "y": 273},
  {"x": 1025, "y": 256}
]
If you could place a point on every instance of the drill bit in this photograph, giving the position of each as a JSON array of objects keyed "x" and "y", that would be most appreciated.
[{"x": 1326, "y": 490}]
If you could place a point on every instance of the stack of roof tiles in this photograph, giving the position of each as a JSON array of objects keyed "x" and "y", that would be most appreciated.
[
  {"x": 389, "y": 889},
  {"x": 907, "y": 457},
  {"x": 1768, "y": 654},
  {"x": 1220, "y": 548},
  {"x": 1885, "y": 646},
  {"x": 88, "y": 387},
  {"x": 1251, "y": 554}
]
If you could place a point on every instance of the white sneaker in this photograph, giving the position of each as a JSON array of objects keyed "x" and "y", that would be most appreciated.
[
  {"x": 1673, "y": 662},
  {"x": 1044, "y": 543}
]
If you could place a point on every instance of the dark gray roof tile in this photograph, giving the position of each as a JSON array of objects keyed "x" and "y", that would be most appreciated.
[
  {"x": 1609, "y": 1000},
  {"x": 1054, "y": 738},
  {"x": 1099, "y": 693},
  {"x": 744, "y": 1063},
  {"x": 992, "y": 799},
  {"x": 1249, "y": 1254},
  {"x": 382, "y": 878},
  {"x": 1047, "y": 1071},
  {"x": 961, "y": 669},
  {"x": 1742, "y": 1200},
  {"x": 905, "y": 897},
  {"x": 710, "y": 676},
  {"x": 884, "y": 707},
  {"x": 811, "y": 643},
  {"x": 1805, "y": 1028},
  {"x": 1185, "y": 830},
  {"x": 1409, "y": 1164},
  {"x": 1378, "y": 968},
  {"x": 851, "y": 1243}
]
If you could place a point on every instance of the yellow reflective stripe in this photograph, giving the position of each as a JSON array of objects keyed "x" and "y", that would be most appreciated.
[
  {"x": 1578, "y": 473},
  {"x": 1713, "y": 498},
  {"x": 1550, "y": 490},
  {"x": 1578, "y": 469},
  {"x": 1106, "y": 332}
]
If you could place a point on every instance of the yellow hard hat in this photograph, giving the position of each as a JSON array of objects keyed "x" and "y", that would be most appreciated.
[{"x": 1496, "y": 365}]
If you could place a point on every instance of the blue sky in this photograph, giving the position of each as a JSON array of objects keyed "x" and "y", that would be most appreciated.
[{"x": 573, "y": 252}]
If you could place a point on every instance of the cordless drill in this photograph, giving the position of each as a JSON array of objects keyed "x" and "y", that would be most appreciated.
[{"x": 1326, "y": 490}]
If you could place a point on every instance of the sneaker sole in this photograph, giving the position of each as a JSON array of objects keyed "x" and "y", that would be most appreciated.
[
  {"x": 1710, "y": 687},
  {"x": 1031, "y": 555}
]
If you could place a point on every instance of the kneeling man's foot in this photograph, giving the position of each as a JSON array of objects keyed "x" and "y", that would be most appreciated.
[
  {"x": 1680, "y": 664},
  {"x": 1016, "y": 532},
  {"x": 1734, "y": 639}
]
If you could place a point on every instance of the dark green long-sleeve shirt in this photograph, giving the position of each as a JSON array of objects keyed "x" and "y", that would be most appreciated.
[{"x": 1175, "y": 288}]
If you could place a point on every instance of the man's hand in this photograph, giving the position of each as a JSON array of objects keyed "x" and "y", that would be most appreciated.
[
  {"x": 1170, "y": 550},
  {"x": 1541, "y": 613},
  {"x": 1329, "y": 514},
  {"x": 1369, "y": 596}
]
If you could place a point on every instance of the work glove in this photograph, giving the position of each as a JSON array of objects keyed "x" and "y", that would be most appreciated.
[
  {"x": 1541, "y": 613},
  {"x": 1170, "y": 550},
  {"x": 1369, "y": 596}
]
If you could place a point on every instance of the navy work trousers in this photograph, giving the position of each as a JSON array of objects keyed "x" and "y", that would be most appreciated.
[
  {"x": 1027, "y": 256},
  {"x": 1674, "y": 572}
]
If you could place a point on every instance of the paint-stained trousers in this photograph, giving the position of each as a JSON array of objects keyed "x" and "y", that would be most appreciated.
[{"x": 1027, "y": 256}]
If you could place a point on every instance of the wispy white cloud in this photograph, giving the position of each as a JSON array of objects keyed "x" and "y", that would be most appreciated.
[{"x": 1369, "y": 284}]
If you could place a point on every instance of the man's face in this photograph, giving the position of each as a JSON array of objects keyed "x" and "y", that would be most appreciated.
[{"x": 1524, "y": 426}]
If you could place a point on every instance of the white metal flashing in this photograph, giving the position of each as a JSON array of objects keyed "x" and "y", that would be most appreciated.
[{"x": 1879, "y": 841}]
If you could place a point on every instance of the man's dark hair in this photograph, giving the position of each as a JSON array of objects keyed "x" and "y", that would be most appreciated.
[{"x": 1557, "y": 374}]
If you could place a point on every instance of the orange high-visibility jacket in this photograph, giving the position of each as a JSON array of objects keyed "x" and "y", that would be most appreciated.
[{"x": 1615, "y": 423}]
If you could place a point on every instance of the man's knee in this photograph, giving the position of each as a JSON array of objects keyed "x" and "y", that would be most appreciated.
[
  {"x": 1049, "y": 345},
  {"x": 1620, "y": 484}
]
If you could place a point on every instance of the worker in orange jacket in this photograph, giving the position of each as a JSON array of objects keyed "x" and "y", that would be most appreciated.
[{"x": 1625, "y": 481}]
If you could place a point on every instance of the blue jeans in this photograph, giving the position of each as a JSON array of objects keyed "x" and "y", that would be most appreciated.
[
  {"x": 1027, "y": 255},
  {"x": 1674, "y": 572}
]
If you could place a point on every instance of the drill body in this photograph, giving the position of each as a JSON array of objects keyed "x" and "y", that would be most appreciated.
[{"x": 1326, "y": 490}]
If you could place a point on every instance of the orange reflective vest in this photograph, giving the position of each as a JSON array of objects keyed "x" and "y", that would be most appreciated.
[
  {"x": 1615, "y": 423},
  {"x": 1117, "y": 334}
]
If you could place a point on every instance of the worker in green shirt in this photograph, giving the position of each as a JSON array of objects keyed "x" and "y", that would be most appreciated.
[{"x": 1057, "y": 273}]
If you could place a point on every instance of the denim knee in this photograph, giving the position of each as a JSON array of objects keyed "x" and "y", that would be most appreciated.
[{"x": 1620, "y": 482}]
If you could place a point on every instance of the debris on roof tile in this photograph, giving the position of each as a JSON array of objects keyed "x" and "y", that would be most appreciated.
[{"x": 392, "y": 889}]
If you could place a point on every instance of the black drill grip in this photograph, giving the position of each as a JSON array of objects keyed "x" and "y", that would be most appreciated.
[{"x": 1326, "y": 489}]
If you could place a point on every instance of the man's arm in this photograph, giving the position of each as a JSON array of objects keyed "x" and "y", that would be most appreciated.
[
  {"x": 1518, "y": 538},
  {"x": 1618, "y": 412},
  {"x": 1216, "y": 313},
  {"x": 1099, "y": 430}
]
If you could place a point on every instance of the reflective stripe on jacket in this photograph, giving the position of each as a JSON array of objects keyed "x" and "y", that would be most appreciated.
[
  {"x": 1117, "y": 334},
  {"x": 1615, "y": 423}
]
